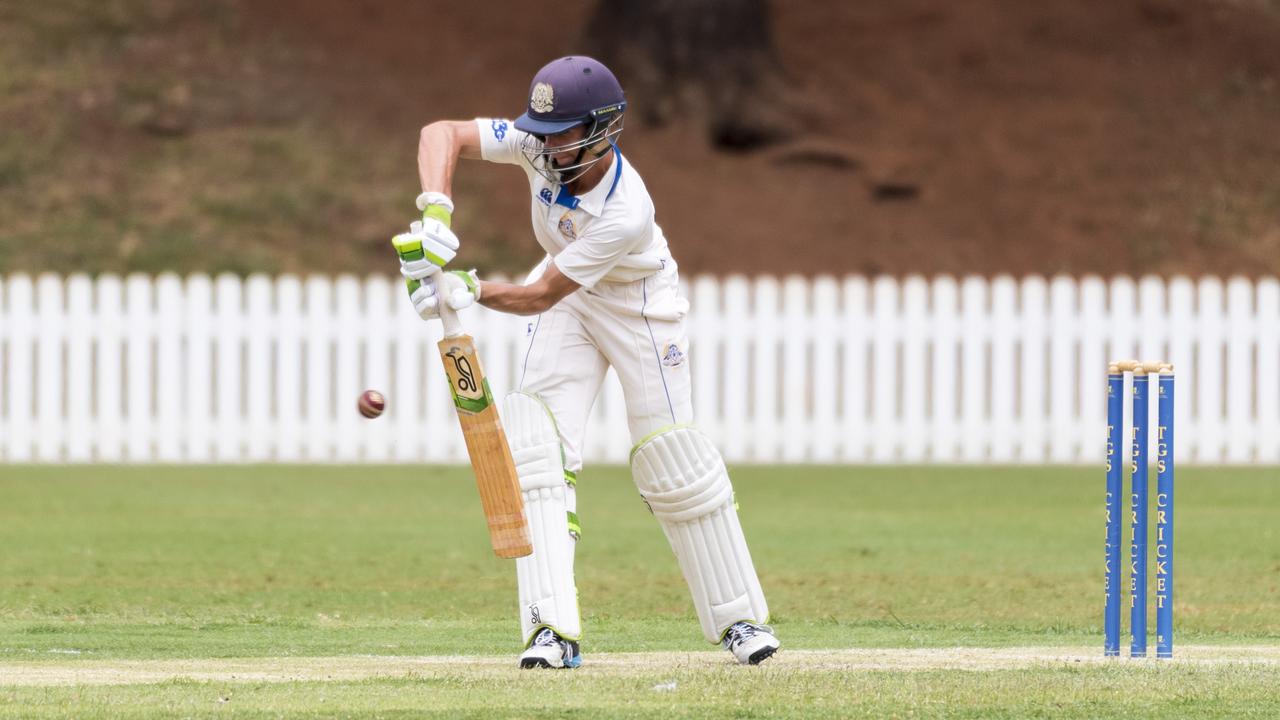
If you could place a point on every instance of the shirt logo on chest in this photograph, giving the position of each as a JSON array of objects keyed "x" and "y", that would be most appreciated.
[
  {"x": 566, "y": 227},
  {"x": 544, "y": 195}
]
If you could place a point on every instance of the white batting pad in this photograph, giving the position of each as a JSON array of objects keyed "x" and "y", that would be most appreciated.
[
  {"x": 548, "y": 596},
  {"x": 682, "y": 477}
]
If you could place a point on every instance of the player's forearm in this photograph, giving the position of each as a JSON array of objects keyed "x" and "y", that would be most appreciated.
[
  {"x": 515, "y": 299},
  {"x": 532, "y": 299}
]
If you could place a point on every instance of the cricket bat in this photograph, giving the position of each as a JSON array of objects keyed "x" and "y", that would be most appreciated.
[{"x": 487, "y": 446}]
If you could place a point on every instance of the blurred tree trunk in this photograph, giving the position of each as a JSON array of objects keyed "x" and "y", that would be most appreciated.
[{"x": 713, "y": 59}]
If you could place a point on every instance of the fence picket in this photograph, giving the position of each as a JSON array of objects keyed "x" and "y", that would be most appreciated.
[
  {"x": 1208, "y": 378},
  {"x": 1267, "y": 327},
  {"x": 1063, "y": 438},
  {"x": 855, "y": 385},
  {"x": 945, "y": 382},
  {"x": 737, "y": 381},
  {"x": 1032, "y": 370},
  {"x": 50, "y": 332},
  {"x": 765, "y": 384},
  {"x": 973, "y": 386},
  {"x": 916, "y": 344},
  {"x": 379, "y": 325},
  {"x": 826, "y": 328},
  {"x": 1182, "y": 320},
  {"x": 139, "y": 377},
  {"x": 199, "y": 362},
  {"x": 289, "y": 376},
  {"x": 317, "y": 392},
  {"x": 1095, "y": 353},
  {"x": 705, "y": 342},
  {"x": 229, "y": 324},
  {"x": 406, "y": 402},
  {"x": 4, "y": 365},
  {"x": 1004, "y": 378},
  {"x": 168, "y": 329},
  {"x": 885, "y": 381},
  {"x": 797, "y": 378},
  {"x": 261, "y": 438},
  {"x": 79, "y": 375},
  {"x": 1240, "y": 382},
  {"x": 347, "y": 324},
  {"x": 109, "y": 329},
  {"x": 20, "y": 309}
]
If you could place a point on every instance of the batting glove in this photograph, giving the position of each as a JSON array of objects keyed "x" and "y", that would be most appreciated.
[
  {"x": 430, "y": 243},
  {"x": 460, "y": 288}
]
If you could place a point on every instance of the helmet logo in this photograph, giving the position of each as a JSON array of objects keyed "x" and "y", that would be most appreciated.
[{"x": 543, "y": 98}]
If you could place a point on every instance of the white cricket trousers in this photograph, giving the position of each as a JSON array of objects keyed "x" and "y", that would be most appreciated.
[{"x": 637, "y": 328}]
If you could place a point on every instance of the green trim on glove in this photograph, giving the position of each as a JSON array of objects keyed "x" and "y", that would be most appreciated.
[
  {"x": 469, "y": 278},
  {"x": 410, "y": 248},
  {"x": 438, "y": 212}
]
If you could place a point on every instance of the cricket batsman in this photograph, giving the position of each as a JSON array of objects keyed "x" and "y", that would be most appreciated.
[{"x": 606, "y": 295}]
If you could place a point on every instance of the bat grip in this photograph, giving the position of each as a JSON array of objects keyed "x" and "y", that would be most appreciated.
[{"x": 448, "y": 316}]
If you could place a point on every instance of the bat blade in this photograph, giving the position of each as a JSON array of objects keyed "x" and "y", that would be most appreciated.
[{"x": 487, "y": 446}]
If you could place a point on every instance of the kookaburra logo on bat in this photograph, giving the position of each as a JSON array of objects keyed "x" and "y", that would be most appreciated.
[{"x": 466, "y": 378}]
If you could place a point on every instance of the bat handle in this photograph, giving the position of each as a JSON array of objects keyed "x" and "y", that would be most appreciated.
[{"x": 448, "y": 316}]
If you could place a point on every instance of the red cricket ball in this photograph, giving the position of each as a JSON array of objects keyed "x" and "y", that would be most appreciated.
[{"x": 371, "y": 403}]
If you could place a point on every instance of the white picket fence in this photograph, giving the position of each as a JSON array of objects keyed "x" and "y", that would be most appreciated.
[{"x": 166, "y": 369}]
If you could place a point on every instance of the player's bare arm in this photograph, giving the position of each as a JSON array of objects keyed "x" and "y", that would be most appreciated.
[
  {"x": 430, "y": 243},
  {"x": 440, "y": 144},
  {"x": 532, "y": 299}
]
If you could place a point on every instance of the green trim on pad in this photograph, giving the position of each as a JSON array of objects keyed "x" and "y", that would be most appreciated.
[
  {"x": 568, "y": 474},
  {"x": 537, "y": 629},
  {"x": 652, "y": 435},
  {"x": 575, "y": 528}
]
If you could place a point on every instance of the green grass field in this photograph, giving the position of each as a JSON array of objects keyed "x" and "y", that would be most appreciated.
[{"x": 295, "y": 591}]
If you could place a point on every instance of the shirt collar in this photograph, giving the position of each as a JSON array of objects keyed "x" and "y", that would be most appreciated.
[{"x": 592, "y": 201}]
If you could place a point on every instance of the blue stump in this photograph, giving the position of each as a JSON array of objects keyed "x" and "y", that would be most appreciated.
[
  {"x": 1164, "y": 517},
  {"x": 1138, "y": 500},
  {"x": 1113, "y": 509}
]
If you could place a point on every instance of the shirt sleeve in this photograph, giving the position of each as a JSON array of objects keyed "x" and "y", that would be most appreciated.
[
  {"x": 500, "y": 141},
  {"x": 589, "y": 259}
]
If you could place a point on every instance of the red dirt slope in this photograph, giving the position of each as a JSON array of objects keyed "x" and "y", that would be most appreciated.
[{"x": 989, "y": 136}]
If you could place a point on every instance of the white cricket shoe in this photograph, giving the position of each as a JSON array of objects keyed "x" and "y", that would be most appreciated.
[
  {"x": 751, "y": 644},
  {"x": 549, "y": 650}
]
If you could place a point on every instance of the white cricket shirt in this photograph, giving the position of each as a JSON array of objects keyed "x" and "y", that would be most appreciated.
[{"x": 608, "y": 234}]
